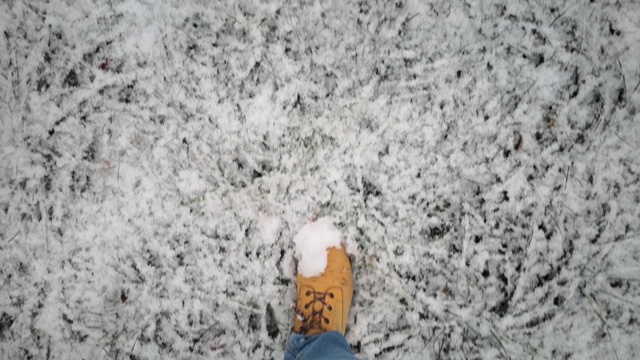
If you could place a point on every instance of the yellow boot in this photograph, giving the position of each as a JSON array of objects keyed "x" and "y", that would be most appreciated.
[{"x": 324, "y": 301}]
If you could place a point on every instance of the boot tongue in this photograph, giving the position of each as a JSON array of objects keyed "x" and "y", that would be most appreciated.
[{"x": 317, "y": 306}]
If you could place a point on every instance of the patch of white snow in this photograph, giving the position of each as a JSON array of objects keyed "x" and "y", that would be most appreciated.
[{"x": 312, "y": 242}]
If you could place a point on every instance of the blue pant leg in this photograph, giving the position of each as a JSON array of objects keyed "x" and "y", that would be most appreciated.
[{"x": 329, "y": 345}]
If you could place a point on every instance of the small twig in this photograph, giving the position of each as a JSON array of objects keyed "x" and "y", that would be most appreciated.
[
  {"x": 15, "y": 54},
  {"x": 15, "y": 88},
  {"x": 558, "y": 226},
  {"x": 13, "y": 237},
  {"x": 160, "y": 181},
  {"x": 606, "y": 326},
  {"x": 621, "y": 238},
  {"x": 566, "y": 177},
  {"x": 560, "y": 15},
  {"x": 506, "y": 354},
  {"x": 502, "y": 349},
  {"x": 440, "y": 347},
  {"x": 273, "y": 75},
  {"x": 604, "y": 322},
  {"x": 97, "y": 313},
  {"x": 409, "y": 18},
  {"x": 619, "y": 298},
  {"x": 106, "y": 353},
  {"x": 624, "y": 81},
  {"x": 134, "y": 345},
  {"x": 623, "y": 140},
  {"x": 636, "y": 88},
  {"x": 617, "y": 277},
  {"x": 436, "y": 336},
  {"x": 112, "y": 9},
  {"x": 472, "y": 180},
  {"x": 462, "y": 47},
  {"x": 293, "y": 27},
  {"x": 9, "y": 105}
]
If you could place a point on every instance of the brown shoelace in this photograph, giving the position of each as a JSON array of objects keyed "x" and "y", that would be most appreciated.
[{"x": 316, "y": 319}]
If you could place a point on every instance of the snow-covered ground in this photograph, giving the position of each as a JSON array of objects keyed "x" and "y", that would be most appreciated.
[{"x": 481, "y": 158}]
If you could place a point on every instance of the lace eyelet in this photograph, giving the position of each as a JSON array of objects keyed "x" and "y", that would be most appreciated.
[
  {"x": 306, "y": 306},
  {"x": 331, "y": 295},
  {"x": 329, "y": 308},
  {"x": 308, "y": 293}
]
